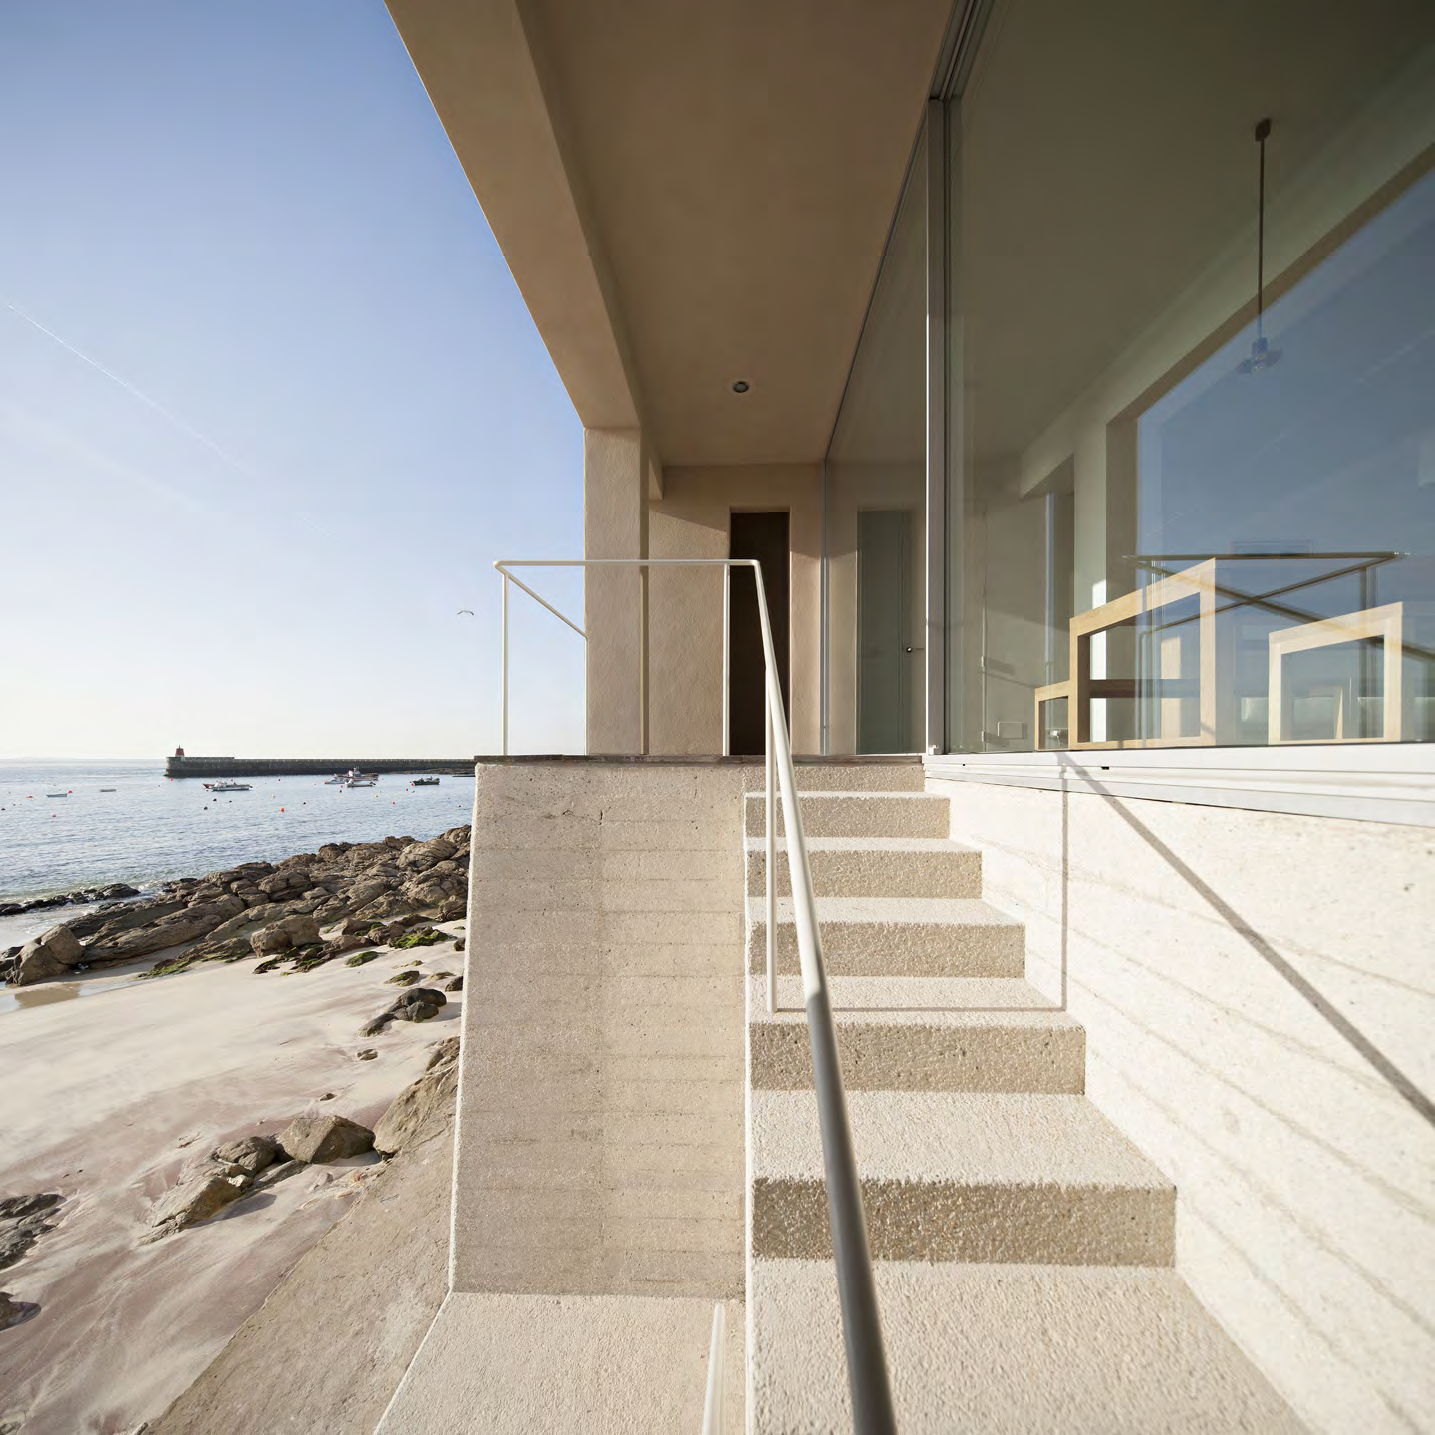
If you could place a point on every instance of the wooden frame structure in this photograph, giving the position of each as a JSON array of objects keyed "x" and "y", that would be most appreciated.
[{"x": 1385, "y": 623}]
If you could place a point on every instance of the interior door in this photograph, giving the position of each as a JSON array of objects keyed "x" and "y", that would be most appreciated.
[
  {"x": 763, "y": 536},
  {"x": 884, "y": 631}
]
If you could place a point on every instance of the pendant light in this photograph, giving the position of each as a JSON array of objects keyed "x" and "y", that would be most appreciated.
[{"x": 1262, "y": 355}]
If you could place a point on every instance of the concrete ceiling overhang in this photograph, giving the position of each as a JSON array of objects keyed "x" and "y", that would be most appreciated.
[{"x": 688, "y": 194}]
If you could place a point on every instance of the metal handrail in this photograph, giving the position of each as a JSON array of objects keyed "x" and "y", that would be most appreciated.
[
  {"x": 867, "y": 1377},
  {"x": 715, "y": 1405}
]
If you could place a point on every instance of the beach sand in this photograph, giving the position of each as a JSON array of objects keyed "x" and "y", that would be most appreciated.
[{"x": 107, "y": 1097}]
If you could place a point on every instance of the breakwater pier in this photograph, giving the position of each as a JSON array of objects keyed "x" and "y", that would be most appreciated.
[{"x": 181, "y": 766}]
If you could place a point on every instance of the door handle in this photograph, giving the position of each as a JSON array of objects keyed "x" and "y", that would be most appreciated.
[{"x": 916, "y": 650}]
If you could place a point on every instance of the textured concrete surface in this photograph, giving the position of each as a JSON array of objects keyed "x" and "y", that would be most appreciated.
[
  {"x": 600, "y": 1145},
  {"x": 1258, "y": 998},
  {"x": 858, "y": 814},
  {"x": 530, "y": 1365},
  {"x": 873, "y": 867},
  {"x": 896, "y": 936},
  {"x": 933, "y": 1050},
  {"x": 962, "y": 1176},
  {"x": 1009, "y": 1350}
]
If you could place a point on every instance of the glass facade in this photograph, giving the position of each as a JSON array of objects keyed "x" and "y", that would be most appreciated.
[{"x": 1166, "y": 521}]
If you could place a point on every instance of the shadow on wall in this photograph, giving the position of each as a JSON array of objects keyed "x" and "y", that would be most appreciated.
[{"x": 1408, "y": 1090}]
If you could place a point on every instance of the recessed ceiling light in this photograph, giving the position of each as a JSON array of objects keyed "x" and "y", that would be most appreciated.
[{"x": 740, "y": 387}]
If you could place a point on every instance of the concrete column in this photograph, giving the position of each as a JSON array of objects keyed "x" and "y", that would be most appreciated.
[{"x": 615, "y": 525}]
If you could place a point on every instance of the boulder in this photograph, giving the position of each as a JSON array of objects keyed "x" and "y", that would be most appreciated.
[
  {"x": 12, "y": 1312},
  {"x": 422, "y": 855},
  {"x": 291, "y": 931},
  {"x": 325, "y": 1138},
  {"x": 420, "y": 1004},
  {"x": 35, "y": 964},
  {"x": 197, "y": 1197},
  {"x": 454, "y": 910},
  {"x": 378, "y": 1025},
  {"x": 250, "y": 1154},
  {"x": 404, "y": 979},
  {"x": 61, "y": 944},
  {"x": 425, "y": 1108},
  {"x": 456, "y": 985}
]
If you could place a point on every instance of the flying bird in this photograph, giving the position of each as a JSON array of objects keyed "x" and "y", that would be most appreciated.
[{"x": 462, "y": 611}]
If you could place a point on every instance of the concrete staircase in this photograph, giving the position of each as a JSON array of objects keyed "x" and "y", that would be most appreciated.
[{"x": 1025, "y": 1249}]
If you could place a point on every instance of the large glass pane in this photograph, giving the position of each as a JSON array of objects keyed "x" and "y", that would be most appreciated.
[
  {"x": 876, "y": 507},
  {"x": 1151, "y": 540}
]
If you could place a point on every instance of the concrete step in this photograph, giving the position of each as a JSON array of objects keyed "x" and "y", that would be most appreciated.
[
  {"x": 920, "y": 1034},
  {"x": 896, "y": 937},
  {"x": 873, "y": 867},
  {"x": 962, "y": 1176},
  {"x": 860, "y": 814},
  {"x": 866, "y": 774},
  {"x": 1007, "y": 1350}
]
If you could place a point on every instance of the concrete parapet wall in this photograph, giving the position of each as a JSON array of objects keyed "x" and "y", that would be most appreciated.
[
  {"x": 1258, "y": 991},
  {"x": 600, "y": 1145}
]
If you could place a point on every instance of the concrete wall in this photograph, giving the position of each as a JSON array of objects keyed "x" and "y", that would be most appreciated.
[
  {"x": 615, "y": 520},
  {"x": 600, "y": 1125},
  {"x": 1258, "y": 992},
  {"x": 691, "y": 520}
]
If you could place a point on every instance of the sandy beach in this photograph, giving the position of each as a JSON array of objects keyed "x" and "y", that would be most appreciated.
[{"x": 109, "y": 1096}]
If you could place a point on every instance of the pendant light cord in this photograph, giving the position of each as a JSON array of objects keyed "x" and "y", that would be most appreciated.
[{"x": 1263, "y": 129}]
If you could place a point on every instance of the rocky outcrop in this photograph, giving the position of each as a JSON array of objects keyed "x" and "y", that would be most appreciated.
[
  {"x": 23, "y": 1220},
  {"x": 115, "y": 892},
  {"x": 325, "y": 1138},
  {"x": 371, "y": 882},
  {"x": 425, "y": 1108}
]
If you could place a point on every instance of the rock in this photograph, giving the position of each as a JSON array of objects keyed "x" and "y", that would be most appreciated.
[
  {"x": 453, "y": 909},
  {"x": 325, "y": 1138},
  {"x": 460, "y": 943},
  {"x": 426, "y": 1107},
  {"x": 423, "y": 937},
  {"x": 23, "y": 1220},
  {"x": 420, "y": 1004},
  {"x": 170, "y": 931},
  {"x": 250, "y": 1154},
  {"x": 12, "y": 1312},
  {"x": 197, "y": 1197},
  {"x": 456, "y": 985},
  {"x": 292, "y": 931},
  {"x": 271, "y": 939},
  {"x": 366, "y": 1054},
  {"x": 378, "y": 1025},
  {"x": 14, "y": 1207},
  {"x": 359, "y": 959},
  {"x": 59, "y": 943},
  {"x": 403, "y": 979},
  {"x": 367, "y": 890},
  {"x": 35, "y": 964},
  {"x": 422, "y": 855}
]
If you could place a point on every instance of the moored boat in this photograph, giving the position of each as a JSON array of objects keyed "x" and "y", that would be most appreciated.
[
  {"x": 425, "y": 782},
  {"x": 228, "y": 786}
]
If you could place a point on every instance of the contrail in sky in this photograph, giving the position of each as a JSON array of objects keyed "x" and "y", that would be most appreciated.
[{"x": 158, "y": 407}]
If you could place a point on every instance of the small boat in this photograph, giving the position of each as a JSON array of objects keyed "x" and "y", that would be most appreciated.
[
  {"x": 57, "y": 794},
  {"x": 425, "y": 782},
  {"x": 338, "y": 780},
  {"x": 228, "y": 786},
  {"x": 361, "y": 782},
  {"x": 109, "y": 789}
]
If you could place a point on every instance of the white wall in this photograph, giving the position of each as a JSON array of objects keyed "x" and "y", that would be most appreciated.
[{"x": 1258, "y": 991}]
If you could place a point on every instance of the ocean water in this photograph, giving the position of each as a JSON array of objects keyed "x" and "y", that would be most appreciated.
[{"x": 151, "y": 827}]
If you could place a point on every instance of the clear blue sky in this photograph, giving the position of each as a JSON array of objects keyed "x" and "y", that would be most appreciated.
[{"x": 333, "y": 411}]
